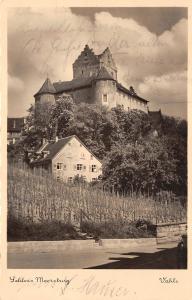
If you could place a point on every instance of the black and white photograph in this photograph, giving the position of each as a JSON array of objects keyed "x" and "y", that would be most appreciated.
[{"x": 97, "y": 138}]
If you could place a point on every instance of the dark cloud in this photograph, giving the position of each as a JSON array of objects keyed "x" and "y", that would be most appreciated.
[{"x": 155, "y": 19}]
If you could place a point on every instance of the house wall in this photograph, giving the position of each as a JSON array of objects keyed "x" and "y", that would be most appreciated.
[{"x": 72, "y": 154}]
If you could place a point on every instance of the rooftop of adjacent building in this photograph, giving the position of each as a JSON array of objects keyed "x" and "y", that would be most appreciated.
[{"x": 15, "y": 124}]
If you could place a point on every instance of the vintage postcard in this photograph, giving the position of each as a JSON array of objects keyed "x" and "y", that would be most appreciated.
[{"x": 95, "y": 144}]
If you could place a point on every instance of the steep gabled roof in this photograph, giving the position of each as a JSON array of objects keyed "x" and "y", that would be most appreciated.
[
  {"x": 53, "y": 148},
  {"x": 47, "y": 88}
]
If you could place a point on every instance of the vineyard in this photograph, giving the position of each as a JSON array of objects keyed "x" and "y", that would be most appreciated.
[{"x": 34, "y": 196}]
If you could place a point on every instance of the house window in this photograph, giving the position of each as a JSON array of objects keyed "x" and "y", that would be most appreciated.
[
  {"x": 91, "y": 156},
  {"x": 93, "y": 168},
  {"x": 105, "y": 100},
  {"x": 70, "y": 179},
  {"x": 59, "y": 166},
  {"x": 58, "y": 178},
  {"x": 94, "y": 179},
  {"x": 82, "y": 155},
  {"x": 82, "y": 72},
  {"x": 79, "y": 167},
  {"x": 64, "y": 167},
  {"x": 128, "y": 108}
]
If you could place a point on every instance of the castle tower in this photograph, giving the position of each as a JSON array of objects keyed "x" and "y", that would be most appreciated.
[
  {"x": 105, "y": 89},
  {"x": 106, "y": 60},
  {"x": 86, "y": 65},
  {"x": 46, "y": 93}
]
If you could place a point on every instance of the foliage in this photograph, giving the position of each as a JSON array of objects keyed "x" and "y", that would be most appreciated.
[
  {"x": 117, "y": 230},
  {"x": 22, "y": 230},
  {"x": 133, "y": 159}
]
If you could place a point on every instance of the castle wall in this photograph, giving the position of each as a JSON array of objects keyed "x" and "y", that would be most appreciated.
[
  {"x": 127, "y": 102},
  {"x": 85, "y": 70},
  {"x": 45, "y": 98},
  {"x": 81, "y": 95},
  {"x": 115, "y": 97}
]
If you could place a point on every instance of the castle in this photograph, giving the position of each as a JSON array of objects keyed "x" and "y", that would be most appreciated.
[{"x": 94, "y": 82}]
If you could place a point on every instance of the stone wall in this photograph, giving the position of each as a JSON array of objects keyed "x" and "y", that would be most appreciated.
[{"x": 170, "y": 232}]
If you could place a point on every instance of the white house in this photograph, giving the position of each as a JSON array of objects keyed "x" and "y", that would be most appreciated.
[{"x": 68, "y": 157}]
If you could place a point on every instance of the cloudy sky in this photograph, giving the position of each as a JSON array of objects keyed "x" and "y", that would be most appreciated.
[{"x": 149, "y": 46}]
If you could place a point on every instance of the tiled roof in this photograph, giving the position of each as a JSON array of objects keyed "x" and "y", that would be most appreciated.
[
  {"x": 47, "y": 87},
  {"x": 54, "y": 147},
  {"x": 64, "y": 86},
  {"x": 15, "y": 124},
  {"x": 128, "y": 92}
]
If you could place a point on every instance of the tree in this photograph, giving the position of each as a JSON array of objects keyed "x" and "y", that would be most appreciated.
[
  {"x": 61, "y": 115},
  {"x": 144, "y": 167}
]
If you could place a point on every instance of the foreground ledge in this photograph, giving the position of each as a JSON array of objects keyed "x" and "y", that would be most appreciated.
[
  {"x": 126, "y": 243},
  {"x": 49, "y": 246}
]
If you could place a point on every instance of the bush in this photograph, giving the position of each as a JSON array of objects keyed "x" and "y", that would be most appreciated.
[
  {"x": 47, "y": 231},
  {"x": 117, "y": 230}
]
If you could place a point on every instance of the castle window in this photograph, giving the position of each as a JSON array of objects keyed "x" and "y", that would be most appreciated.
[{"x": 105, "y": 100}]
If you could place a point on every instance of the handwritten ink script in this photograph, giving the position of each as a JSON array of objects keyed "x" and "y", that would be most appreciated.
[
  {"x": 168, "y": 280},
  {"x": 86, "y": 286}
]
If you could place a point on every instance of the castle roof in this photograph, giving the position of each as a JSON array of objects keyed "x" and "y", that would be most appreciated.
[
  {"x": 104, "y": 74},
  {"x": 47, "y": 87},
  {"x": 130, "y": 92},
  {"x": 63, "y": 86}
]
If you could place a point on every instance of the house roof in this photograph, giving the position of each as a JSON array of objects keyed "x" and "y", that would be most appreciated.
[
  {"x": 15, "y": 124},
  {"x": 53, "y": 148},
  {"x": 47, "y": 87}
]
